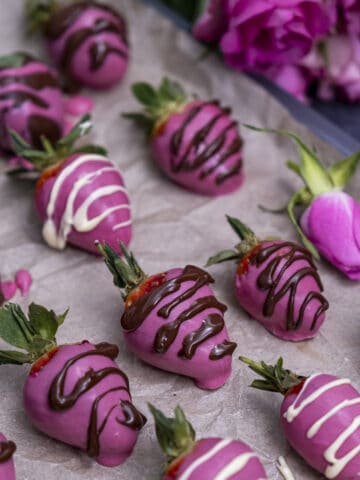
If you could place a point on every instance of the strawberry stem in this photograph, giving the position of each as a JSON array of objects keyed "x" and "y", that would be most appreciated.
[
  {"x": 34, "y": 335},
  {"x": 126, "y": 271},
  {"x": 176, "y": 435},
  {"x": 248, "y": 241},
  {"x": 274, "y": 377}
]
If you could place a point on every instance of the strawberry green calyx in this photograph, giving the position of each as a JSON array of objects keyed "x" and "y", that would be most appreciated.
[
  {"x": 274, "y": 377},
  {"x": 248, "y": 241},
  {"x": 126, "y": 271},
  {"x": 317, "y": 178},
  {"x": 15, "y": 60},
  {"x": 176, "y": 435},
  {"x": 158, "y": 104},
  {"x": 34, "y": 335},
  {"x": 38, "y": 12},
  {"x": 51, "y": 155}
]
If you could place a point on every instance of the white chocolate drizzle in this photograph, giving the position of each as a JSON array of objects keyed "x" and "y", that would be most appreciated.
[
  {"x": 336, "y": 465},
  {"x": 284, "y": 469},
  {"x": 79, "y": 220},
  {"x": 234, "y": 466}
]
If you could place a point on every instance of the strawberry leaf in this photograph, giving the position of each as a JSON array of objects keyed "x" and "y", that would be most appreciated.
[
  {"x": 13, "y": 357},
  {"x": 175, "y": 435},
  {"x": 14, "y": 327},
  {"x": 44, "y": 321},
  {"x": 145, "y": 94},
  {"x": 14, "y": 60},
  {"x": 35, "y": 335}
]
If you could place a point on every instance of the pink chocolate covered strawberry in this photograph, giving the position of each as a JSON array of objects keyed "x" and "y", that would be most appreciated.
[
  {"x": 80, "y": 194},
  {"x": 30, "y": 100},
  {"x": 208, "y": 458},
  {"x": 277, "y": 283},
  {"x": 87, "y": 39},
  {"x": 172, "y": 320},
  {"x": 196, "y": 143},
  {"x": 7, "y": 449},
  {"x": 320, "y": 417},
  {"x": 74, "y": 393}
]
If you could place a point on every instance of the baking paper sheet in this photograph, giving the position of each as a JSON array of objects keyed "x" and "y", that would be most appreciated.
[{"x": 171, "y": 228}]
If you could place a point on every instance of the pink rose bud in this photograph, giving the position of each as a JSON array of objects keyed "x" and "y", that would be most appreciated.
[{"x": 332, "y": 224}]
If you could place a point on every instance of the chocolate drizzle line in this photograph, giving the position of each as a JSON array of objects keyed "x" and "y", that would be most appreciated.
[
  {"x": 269, "y": 279},
  {"x": 212, "y": 148},
  {"x": 136, "y": 313},
  {"x": 221, "y": 350},
  {"x": 210, "y": 327},
  {"x": 7, "y": 450},
  {"x": 58, "y": 401},
  {"x": 62, "y": 20}
]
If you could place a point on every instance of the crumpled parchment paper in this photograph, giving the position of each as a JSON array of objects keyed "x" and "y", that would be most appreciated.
[{"x": 171, "y": 228}]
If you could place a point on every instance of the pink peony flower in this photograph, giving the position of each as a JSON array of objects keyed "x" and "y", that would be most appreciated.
[
  {"x": 342, "y": 76},
  {"x": 332, "y": 224},
  {"x": 349, "y": 16},
  {"x": 256, "y": 35}
]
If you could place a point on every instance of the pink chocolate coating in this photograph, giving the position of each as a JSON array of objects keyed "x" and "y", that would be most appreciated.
[
  {"x": 212, "y": 457},
  {"x": 289, "y": 302},
  {"x": 148, "y": 334},
  {"x": 92, "y": 46},
  {"x": 326, "y": 430},
  {"x": 107, "y": 394},
  {"x": 200, "y": 149},
  {"x": 7, "y": 469},
  {"x": 30, "y": 103},
  {"x": 85, "y": 201}
]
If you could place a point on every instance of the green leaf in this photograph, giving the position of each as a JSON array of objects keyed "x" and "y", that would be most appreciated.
[
  {"x": 14, "y": 327},
  {"x": 44, "y": 321},
  {"x": 311, "y": 170},
  {"x": 171, "y": 91},
  {"x": 38, "y": 13},
  {"x": 144, "y": 121},
  {"x": 145, "y": 94},
  {"x": 14, "y": 60},
  {"x": 175, "y": 435},
  {"x": 223, "y": 256},
  {"x": 95, "y": 149},
  {"x": 79, "y": 130},
  {"x": 241, "y": 230},
  {"x": 294, "y": 167},
  {"x": 13, "y": 357},
  {"x": 342, "y": 171},
  {"x": 61, "y": 318},
  {"x": 299, "y": 198}
]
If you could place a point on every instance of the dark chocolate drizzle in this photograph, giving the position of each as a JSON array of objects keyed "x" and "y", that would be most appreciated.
[
  {"x": 133, "y": 418},
  {"x": 269, "y": 280},
  {"x": 39, "y": 124},
  {"x": 212, "y": 148},
  {"x": 211, "y": 326},
  {"x": 136, "y": 313},
  {"x": 7, "y": 450},
  {"x": 59, "y": 401},
  {"x": 65, "y": 17},
  {"x": 221, "y": 350}
]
